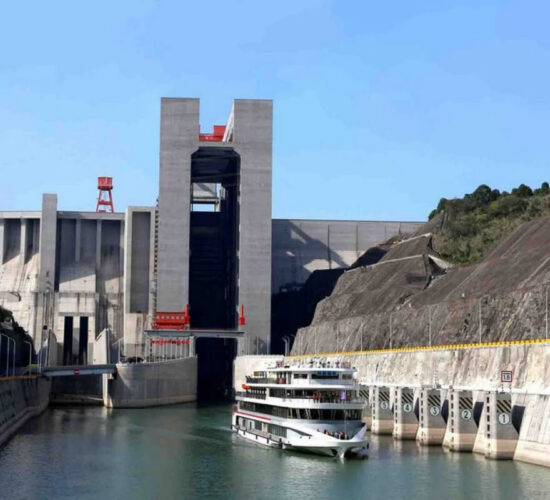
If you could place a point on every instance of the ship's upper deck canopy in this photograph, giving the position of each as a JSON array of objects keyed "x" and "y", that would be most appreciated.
[{"x": 313, "y": 366}]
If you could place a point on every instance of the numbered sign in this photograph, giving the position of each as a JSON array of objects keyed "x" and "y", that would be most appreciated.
[
  {"x": 384, "y": 405},
  {"x": 466, "y": 414},
  {"x": 504, "y": 418},
  {"x": 407, "y": 407},
  {"x": 506, "y": 376},
  {"x": 434, "y": 411}
]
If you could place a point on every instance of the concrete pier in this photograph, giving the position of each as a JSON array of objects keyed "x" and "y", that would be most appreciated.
[
  {"x": 405, "y": 420},
  {"x": 368, "y": 394},
  {"x": 432, "y": 426},
  {"x": 382, "y": 417},
  {"x": 461, "y": 429},
  {"x": 497, "y": 437}
]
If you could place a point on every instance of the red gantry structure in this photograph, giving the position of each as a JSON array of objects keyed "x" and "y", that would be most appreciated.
[
  {"x": 105, "y": 196},
  {"x": 215, "y": 136}
]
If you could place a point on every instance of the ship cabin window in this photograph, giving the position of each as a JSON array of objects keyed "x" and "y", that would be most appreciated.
[
  {"x": 347, "y": 376},
  {"x": 300, "y": 375},
  {"x": 324, "y": 375}
]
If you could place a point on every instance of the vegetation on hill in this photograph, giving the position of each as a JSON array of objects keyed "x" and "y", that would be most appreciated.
[{"x": 471, "y": 225}]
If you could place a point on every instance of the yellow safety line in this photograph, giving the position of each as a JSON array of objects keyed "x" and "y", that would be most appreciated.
[
  {"x": 427, "y": 348},
  {"x": 19, "y": 377}
]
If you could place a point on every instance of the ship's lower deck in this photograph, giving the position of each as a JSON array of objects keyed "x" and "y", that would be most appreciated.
[{"x": 335, "y": 439}]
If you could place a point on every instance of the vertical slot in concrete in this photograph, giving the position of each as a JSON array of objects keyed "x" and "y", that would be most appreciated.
[
  {"x": 83, "y": 341},
  {"x": 68, "y": 341}
]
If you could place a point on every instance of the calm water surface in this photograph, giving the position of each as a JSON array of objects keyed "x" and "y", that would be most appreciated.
[{"x": 188, "y": 451}]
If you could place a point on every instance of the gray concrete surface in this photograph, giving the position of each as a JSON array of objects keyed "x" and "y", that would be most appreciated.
[
  {"x": 302, "y": 246},
  {"x": 139, "y": 385},
  {"x": 21, "y": 399},
  {"x": 253, "y": 140},
  {"x": 179, "y": 130}
]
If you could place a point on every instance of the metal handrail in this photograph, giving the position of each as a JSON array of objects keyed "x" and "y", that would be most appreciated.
[
  {"x": 305, "y": 398},
  {"x": 8, "y": 354}
]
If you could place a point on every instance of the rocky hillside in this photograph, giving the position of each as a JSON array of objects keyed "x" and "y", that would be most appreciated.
[
  {"x": 413, "y": 296},
  {"x": 466, "y": 229}
]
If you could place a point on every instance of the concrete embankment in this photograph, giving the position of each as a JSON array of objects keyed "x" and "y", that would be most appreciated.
[
  {"x": 473, "y": 370},
  {"x": 138, "y": 385},
  {"x": 21, "y": 398}
]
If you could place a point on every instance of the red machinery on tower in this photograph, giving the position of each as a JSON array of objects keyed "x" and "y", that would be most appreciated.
[{"x": 105, "y": 197}]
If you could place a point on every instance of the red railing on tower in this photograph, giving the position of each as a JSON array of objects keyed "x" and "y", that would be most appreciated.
[{"x": 215, "y": 136}]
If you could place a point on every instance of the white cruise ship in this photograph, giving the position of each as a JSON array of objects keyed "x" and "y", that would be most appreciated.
[{"x": 313, "y": 407}]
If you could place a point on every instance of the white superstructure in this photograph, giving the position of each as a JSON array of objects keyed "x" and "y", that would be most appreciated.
[{"x": 313, "y": 406}]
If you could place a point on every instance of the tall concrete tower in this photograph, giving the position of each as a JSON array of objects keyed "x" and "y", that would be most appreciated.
[{"x": 214, "y": 236}]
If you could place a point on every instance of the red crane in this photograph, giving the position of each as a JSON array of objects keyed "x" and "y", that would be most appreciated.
[{"x": 105, "y": 197}]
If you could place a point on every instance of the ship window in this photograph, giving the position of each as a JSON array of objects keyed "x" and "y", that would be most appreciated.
[
  {"x": 323, "y": 375},
  {"x": 300, "y": 375},
  {"x": 347, "y": 376}
]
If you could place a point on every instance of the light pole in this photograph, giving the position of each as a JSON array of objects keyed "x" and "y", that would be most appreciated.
[
  {"x": 546, "y": 314},
  {"x": 480, "y": 326},
  {"x": 30, "y": 353},
  {"x": 8, "y": 349},
  {"x": 13, "y": 361},
  {"x": 391, "y": 342},
  {"x": 430, "y": 323}
]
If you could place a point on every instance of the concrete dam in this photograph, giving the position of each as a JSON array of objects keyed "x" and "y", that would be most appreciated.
[{"x": 208, "y": 258}]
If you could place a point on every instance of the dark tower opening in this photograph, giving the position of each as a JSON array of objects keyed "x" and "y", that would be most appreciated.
[
  {"x": 213, "y": 263},
  {"x": 68, "y": 341}
]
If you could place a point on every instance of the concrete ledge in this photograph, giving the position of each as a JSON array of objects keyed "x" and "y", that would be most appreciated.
[
  {"x": 142, "y": 385},
  {"x": 145, "y": 403},
  {"x": 431, "y": 436},
  {"x": 459, "y": 441},
  {"x": 382, "y": 427},
  {"x": 21, "y": 400},
  {"x": 533, "y": 453},
  {"x": 405, "y": 431},
  {"x": 500, "y": 449}
]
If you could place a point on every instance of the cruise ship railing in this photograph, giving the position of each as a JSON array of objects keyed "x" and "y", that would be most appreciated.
[{"x": 302, "y": 398}]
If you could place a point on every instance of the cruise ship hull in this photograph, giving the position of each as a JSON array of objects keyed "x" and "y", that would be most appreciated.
[{"x": 317, "y": 443}]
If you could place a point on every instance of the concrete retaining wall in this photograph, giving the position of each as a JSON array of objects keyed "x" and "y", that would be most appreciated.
[
  {"x": 151, "y": 384},
  {"x": 476, "y": 368},
  {"x": 20, "y": 399}
]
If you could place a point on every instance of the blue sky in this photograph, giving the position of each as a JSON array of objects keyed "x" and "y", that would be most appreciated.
[{"x": 381, "y": 108}]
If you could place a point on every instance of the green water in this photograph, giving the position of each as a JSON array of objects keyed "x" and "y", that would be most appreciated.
[{"x": 188, "y": 451}]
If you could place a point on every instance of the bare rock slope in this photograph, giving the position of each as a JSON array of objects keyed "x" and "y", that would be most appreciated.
[{"x": 412, "y": 297}]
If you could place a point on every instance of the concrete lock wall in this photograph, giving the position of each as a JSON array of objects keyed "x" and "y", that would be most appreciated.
[
  {"x": 138, "y": 385},
  {"x": 302, "y": 246},
  {"x": 21, "y": 399},
  {"x": 469, "y": 374}
]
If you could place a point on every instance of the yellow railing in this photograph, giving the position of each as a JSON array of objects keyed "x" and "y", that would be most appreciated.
[
  {"x": 18, "y": 377},
  {"x": 427, "y": 348}
]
